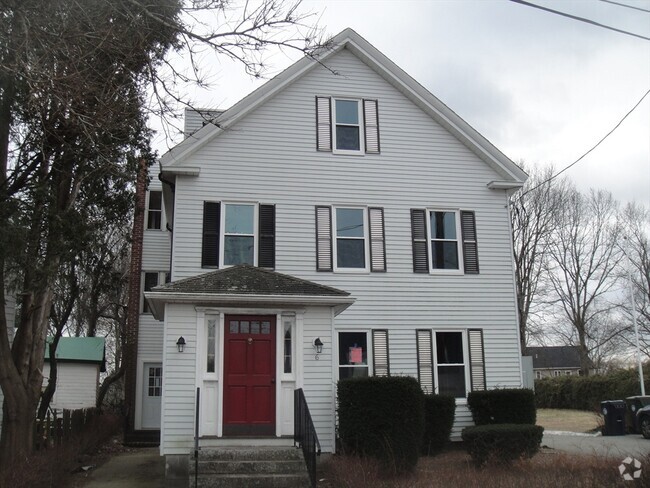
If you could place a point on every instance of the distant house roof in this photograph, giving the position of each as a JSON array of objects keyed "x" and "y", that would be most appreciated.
[
  {"x": 246, "y": 284},
  {"x": 554, "y": 357},
  {"x": 79, "y": 349}
]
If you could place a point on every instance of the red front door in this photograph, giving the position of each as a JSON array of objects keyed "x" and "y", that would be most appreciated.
[{"x": 249, "y": 375}]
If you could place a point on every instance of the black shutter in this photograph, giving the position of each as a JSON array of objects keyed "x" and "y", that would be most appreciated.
[
  {"x": 323, "y": 238},
  {"x": 377, "y": 241},
  {"x": 419, "y": 237},
  {"x": 210, "y": 245},
  {"x": 266, "y": 252},
  {"x": 371, "y": 126},
  {"x": 470, "y": 246},
  {"x": 324, "y": 124},
  {"x": 380, "y": 354},
  {"x": 476, "y": 359},
  {"x": 425, "y": 360}
]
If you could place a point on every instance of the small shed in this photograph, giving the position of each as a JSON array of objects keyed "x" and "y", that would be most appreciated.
[{"x": 79, "y": 361}]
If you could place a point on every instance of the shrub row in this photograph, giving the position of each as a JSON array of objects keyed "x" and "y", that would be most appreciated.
[
  {"x": 586, "y": 392},
  {"x": 383, "y": 418},
  {"x": 504, "y": 406},
  {"x": 439, "y": 411},
  {"x": 502, "y": 444}
]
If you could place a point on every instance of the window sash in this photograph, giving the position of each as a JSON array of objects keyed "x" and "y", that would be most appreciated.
[
  {"x": 154, "y": 210},
  {"x": 359, "y": 125},
  {"x": 433, "y": 243},
  {"x": 211, "y": 345},
  {"x": 347, "y": 369},
  {"x": 231, "y": 254},
  {"x": 341, "y": 240},
  {"x": 441, "y": 366}
]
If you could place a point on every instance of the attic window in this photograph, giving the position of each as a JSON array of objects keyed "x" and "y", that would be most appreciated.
[{"x": 347, "y": 125}]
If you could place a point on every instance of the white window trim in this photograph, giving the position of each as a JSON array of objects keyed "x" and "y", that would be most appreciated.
[
  {"x": 369, "y": 356},
  {"x": 362, "y": 139},
  {"x": 466, "y": 364},
  {"x": 459, "y": 242},
  {"x": 163, "y": 221},
  {"x": 366, "y": 241},
  {"x": 222, "y": 231}
]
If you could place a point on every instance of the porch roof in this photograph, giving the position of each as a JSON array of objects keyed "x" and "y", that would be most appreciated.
[{"x": 246, "y": 285}]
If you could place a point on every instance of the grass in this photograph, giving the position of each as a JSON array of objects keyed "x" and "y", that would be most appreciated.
[
  {"x": 568, "y": 420},
  {"x": 454, "y": 469}
]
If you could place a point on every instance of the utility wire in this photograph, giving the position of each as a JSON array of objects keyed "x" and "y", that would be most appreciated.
[
  {"x": 581, "y": 19},
  {"x": 592, "y": 148},
  {"x": 626, "y": 5}
]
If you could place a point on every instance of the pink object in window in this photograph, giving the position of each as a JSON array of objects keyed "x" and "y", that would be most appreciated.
[{"x": 356, "y": 355}]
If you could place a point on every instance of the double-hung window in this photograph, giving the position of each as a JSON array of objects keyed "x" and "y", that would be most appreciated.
[
  {"x": 348, "y": 127},
  {"x": 238, "y": 233},
  {"x": 351, "y": 239},
  {"x": 154, "y": 210},
  {"x": 353, "y": 355},
  {"x": 444, "y": 241},
  {"x": 450, "y": 364}
]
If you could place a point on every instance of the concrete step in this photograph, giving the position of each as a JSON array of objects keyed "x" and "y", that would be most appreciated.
[
  {"x": 249, "y": 467},
  {"x": 247, "y": 481},
  {"x": 249, "y": 454}
]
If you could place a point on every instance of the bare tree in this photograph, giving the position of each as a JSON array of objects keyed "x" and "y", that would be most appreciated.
[
  {"x": 583, "y": 259},
  {"x": 532, "y": 213}
]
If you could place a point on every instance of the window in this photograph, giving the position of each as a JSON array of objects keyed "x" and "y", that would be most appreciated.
[
  {"x": 353, "y": 355},
  {"x": 444, "y": 241},
  {"x": 150, "y": 281},
  {"x": 358, "y": 235},
  {"x": 238, "y": 233},
  {"x": 347, "y": 125},
  {"x": 154, "y": 387},
  {"x": 288, "y": 356},
  {"x": 538, "y": 375},
  {"x": 557, "y": 373},
  {"x": 211, "y": 345},
  {"x": 568, "y": 373},
  {"x": 154, "y": 212},
  {"x": 451, "y": 362}
]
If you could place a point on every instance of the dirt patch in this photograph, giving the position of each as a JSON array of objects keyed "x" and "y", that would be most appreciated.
[{"x": 568, "y": 420}]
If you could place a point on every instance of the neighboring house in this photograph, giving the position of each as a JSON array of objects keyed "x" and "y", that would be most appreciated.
[
  {"x": 79, "y": 361},
  {"x": 555, "y": 361},
  {"x": 340, "y": 203},
  {"x": 10, "y": 314}
]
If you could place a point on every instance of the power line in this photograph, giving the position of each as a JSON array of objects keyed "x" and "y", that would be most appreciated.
[
  {"x": 626, "y": 5},
  {"x": 592, "y": 148},
  {"x": 581, "y": 19}
]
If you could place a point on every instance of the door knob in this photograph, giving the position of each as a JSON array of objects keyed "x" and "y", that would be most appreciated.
[{"x": 273, "y": 381}]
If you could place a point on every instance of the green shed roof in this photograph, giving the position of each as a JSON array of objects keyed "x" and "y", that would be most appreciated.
[{"x": 83, "y": 349}]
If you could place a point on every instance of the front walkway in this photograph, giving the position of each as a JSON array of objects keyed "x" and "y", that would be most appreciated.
[
  {"x": 139, "y": 468},
  {"x": 610, "y": 446}
]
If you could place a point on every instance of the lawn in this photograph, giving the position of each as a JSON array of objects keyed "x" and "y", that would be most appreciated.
[{"x": 568, "y": 420}]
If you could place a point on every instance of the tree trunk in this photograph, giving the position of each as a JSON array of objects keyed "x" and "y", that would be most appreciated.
[
  {"x": 17, "y": 440},
  {"x": 106, "y": 384},
  {"x": 584, "y": 353}
]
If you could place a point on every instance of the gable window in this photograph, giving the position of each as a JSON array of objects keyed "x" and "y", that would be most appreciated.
[
  {"x": 358, "y": 235},
  {"x": 154, "y": 210},
  {"x": 238, "y": 233},
  {"x": 444, "y": 241},
  {"x": 450, "y": 362},
  {"x": 353, "y": 355},
  {"x": 347, "y": 125}
]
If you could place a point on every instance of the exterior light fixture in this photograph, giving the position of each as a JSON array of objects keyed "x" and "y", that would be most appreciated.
[
  {"x": 318, "y": 345},
  {"x": 180, "y": 344}
]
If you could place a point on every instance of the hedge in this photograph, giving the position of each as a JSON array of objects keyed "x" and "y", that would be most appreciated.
[
  {"x": 382, "y": 417},
  {"x": 504, "y": 406},
  {"x": 439, "y": 413},
  {"x": 586, "y": 392},
  {"x": 503, "y": 443}
]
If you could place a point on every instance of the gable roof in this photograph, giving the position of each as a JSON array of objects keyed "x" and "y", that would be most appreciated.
[
  {"x": 78, "y": 349},
  {"x": 554, "y": 357},
  {"x": 512, "y": 175},
  {"x": 246, "y": 284}
]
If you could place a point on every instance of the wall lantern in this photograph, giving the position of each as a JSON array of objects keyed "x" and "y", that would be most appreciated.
[
  {"x": 180, "y": 344},
  {"x": 318, "y": 345}
]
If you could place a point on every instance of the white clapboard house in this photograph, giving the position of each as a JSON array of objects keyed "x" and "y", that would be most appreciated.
[{"x": 340, "y": 221}]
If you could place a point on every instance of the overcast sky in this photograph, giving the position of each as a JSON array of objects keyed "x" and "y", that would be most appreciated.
[{"x": 541, "y": 87}]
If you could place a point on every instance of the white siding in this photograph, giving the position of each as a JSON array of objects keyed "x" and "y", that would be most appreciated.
[
  {"x": 76, "y": 385},
  {"x": 155, "y": 242},
  {"x": 195, "y": 119},
  {"x": 270, "y": 157}
]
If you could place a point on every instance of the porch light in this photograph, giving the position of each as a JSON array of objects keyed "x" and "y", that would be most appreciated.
[
  {"x": 180, "y": 344},
  {"x": 318, "y": 345}
]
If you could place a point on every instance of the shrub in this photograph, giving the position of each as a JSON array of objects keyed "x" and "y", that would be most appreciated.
[
  {"x": 382, "y": 418},
  {"x": 502, "y": 444},
  {"x": 586, "y": 392},
  {"x": 506, "y": 406},
  {"x": 439, "y": 413}
]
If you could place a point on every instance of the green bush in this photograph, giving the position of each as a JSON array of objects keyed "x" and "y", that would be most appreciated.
[
  {"x": 383, "y": 418},
  {"x": 586, "y": 392},
  {"x": 439, "y": 413},
  {"x": 502, "y": 444},
  {"x": 506, "y": 406}
]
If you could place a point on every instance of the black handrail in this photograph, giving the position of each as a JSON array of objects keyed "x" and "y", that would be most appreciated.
[
  {"x": 304, "y": 433},
  {"x": 196, "y": 438}
]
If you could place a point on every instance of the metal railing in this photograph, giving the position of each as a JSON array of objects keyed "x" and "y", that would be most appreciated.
[
  {"x": 304, "y": 433},
  {"x": 196, "y": 438}
]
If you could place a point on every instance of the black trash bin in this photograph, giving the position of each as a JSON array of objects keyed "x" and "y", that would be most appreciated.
[
  {"x": 614, "y": 414},
  {"x": 634, "y": 403}
]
